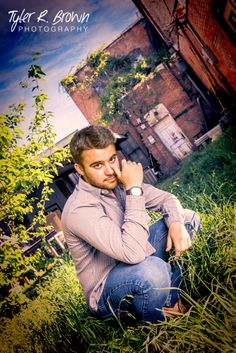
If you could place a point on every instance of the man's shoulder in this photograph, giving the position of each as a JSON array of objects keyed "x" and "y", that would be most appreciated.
[
  {"x": 148, "y": 187},
  {"x": 78, "y": 199},
  {"x": 75, "y": 209}
]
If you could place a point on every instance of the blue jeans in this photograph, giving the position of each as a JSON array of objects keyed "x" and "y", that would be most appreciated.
[{"x": 144, "y": 288}]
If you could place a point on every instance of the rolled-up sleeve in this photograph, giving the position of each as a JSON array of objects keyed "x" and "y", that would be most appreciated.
[{"x": 165, "y": 203}]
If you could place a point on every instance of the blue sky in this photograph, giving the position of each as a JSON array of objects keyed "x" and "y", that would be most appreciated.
[{"x": 61, "y": 50}]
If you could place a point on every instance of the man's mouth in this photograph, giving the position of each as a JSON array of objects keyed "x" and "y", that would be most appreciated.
[{"x": 111, "y": 179}]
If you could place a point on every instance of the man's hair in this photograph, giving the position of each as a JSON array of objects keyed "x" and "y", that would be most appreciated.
[{"x": 88, "y": 138}]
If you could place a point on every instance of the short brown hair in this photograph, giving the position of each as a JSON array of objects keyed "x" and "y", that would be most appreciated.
[{"x": 88, "y": 138}]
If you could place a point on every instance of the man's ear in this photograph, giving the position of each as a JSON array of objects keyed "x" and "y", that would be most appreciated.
[{"x": 79, "y": 169}]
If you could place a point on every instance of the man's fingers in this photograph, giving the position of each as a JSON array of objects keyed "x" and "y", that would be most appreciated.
[
  {"x": 182, "y": 247},
  {"x": 169, "y": 244},
  {"x": 178, "y": 253},
  {"x": 117, "y": 171},
  {"x": 189, "y": 243}
]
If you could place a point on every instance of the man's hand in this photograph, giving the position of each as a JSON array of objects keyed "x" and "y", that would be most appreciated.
[
  {"x": 179, "y": 237},
  {"x": 131, "y": 174}
]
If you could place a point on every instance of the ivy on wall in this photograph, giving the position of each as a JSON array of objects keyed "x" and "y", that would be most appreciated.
[{"x": 112, "y": 78}]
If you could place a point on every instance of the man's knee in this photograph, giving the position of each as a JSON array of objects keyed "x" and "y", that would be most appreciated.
[{"x": 153, "y": 272}]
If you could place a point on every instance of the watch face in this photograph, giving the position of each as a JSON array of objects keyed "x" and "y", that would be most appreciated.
[{"x": 136, "y": 191}]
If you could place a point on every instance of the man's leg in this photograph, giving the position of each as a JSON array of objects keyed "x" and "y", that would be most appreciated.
[
  {"x": 144, "y": 288},
  {"x": 141, "y": 289},
  {"x": 158, "y": 238}
]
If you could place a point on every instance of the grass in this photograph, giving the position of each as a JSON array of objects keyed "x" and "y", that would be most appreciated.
[{"x": 58, "y": 320}]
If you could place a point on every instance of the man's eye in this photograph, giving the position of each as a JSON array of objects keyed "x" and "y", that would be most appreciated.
[
  {"x": 113, "y": 159},
  {"x": 97, "y": 166}
]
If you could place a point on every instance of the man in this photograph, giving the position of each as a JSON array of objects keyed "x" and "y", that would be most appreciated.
[{"x": 121, "y": 263}]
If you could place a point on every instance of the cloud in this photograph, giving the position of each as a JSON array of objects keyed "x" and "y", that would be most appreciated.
[{"x": 61, "y": 52}]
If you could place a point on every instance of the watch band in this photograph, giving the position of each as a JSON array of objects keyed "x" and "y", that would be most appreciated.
[{"x": 135, "y": 191}]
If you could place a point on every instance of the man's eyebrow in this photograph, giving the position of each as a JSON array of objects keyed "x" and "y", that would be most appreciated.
[
  {"x": 98, "y": 162},
  {"x": 94, "y": 163}
]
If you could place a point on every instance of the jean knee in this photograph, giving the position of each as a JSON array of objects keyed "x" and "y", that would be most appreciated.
[{"x": 154, "y": 273}]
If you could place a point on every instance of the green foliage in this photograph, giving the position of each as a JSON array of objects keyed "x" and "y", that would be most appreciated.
[
  {"x": 58, "y": 321},
  {"x": 123, "y": 76},
  {"x": 36, "y": 72},
  {"x": 209, "y": 173},
  {"x": 68, "y": 80},
  {"x": 118, "y": 64},
  {"x": 97, "y": 59},
  {"x": 41, "y": 323},
  {"x": 114, "y": 77},
  {"x": 22, "y": 171},
  {"x": 162, "y": 57}
]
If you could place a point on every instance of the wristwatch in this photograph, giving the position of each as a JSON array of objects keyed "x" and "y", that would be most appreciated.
[{"x": 135, "y": 191}]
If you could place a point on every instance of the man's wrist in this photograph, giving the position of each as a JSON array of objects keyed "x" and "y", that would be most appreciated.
[
  {"x": 129, "y": 186},
  {"x": 176, "y": 222},
  {"x": 135, "y": 191}
]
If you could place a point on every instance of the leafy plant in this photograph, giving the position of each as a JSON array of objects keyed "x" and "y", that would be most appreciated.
[
  {"x": 122, "y": 79},
  {"x": 23, "y": 169},
  {"x": 113, "y": 77}
]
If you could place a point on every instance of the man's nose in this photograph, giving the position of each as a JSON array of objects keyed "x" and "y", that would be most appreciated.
[{"x": 108, "y": 169}]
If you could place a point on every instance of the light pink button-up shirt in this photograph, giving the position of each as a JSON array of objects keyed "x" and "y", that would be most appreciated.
[{"x": 104, "y": 227}]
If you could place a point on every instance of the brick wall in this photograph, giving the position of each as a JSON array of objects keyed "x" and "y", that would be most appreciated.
[
  {"x": 215, "y": 37},
  {"x": 201, "y": 29},
  {"x": 135, "y": 38},
  {"x": 162, "y": 87}
]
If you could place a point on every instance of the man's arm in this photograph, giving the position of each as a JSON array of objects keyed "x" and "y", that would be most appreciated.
[
  {"x": 125, "y": 242},
  {"x": 169, "y": 206},
  {"x": 164, "y": 202},
  {"x": 179, "y": 237}
]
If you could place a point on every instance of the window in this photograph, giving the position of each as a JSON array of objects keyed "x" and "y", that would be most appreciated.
[
  {"x": 151, "y": 139},
  {"x": 225, "y": 12}
]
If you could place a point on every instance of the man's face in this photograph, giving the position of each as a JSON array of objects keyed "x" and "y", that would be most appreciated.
[{"x": 97, "y": 167}]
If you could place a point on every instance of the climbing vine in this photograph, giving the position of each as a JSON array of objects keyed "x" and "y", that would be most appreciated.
[
  {"x": 113, "y": 77},
  {"x": 121, "y": 82}
]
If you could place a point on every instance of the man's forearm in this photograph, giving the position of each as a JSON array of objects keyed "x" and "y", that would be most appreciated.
[{"x": 165, "y": 203}]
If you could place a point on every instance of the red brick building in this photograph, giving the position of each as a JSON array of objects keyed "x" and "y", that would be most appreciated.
[
  {"x": 134, "y": 40},
  {"x": 204, "y": 33},
  {"x": 165, "y": 115}
]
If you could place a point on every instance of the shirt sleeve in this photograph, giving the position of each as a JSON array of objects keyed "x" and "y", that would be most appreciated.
[
  {"x": 126, "y": 243},
  {"x": 165, "y": 203}
]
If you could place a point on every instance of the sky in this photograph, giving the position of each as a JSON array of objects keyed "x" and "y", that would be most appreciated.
[{"x": 64, "y": 32}]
